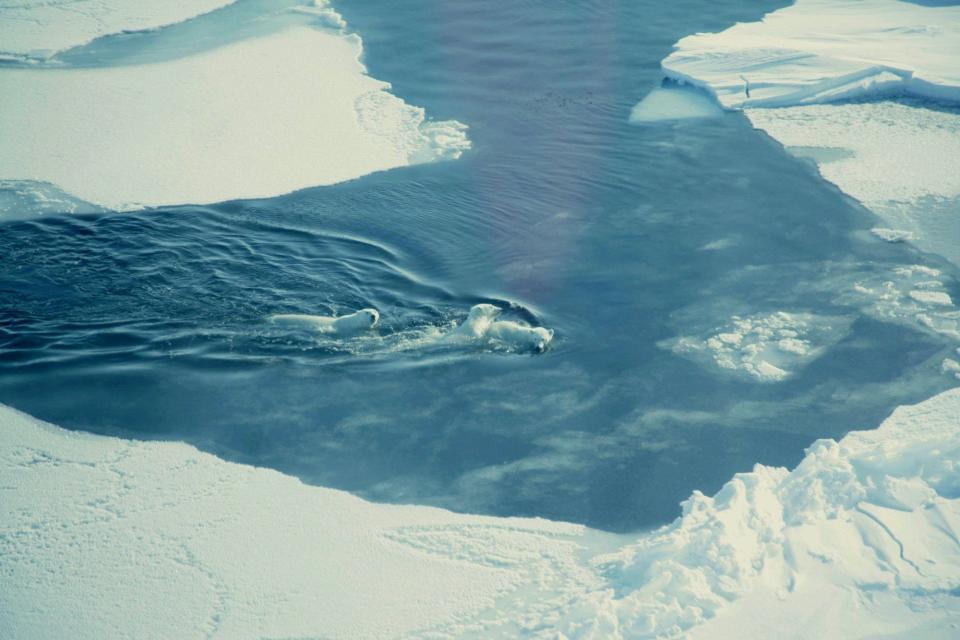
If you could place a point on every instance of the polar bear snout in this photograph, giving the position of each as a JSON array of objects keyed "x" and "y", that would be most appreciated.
[{"x": 374, "y": 316}]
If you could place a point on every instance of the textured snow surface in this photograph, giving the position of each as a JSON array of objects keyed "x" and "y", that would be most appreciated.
[
  {"x": 38, "y": 28},
  {"x": 796, "y": 72},
  {"x": 818, "y": 51},
  {"x": 251, "y": 118},
  {"x": 102, "y": 537},
  {"x": 895, "y": 151}
]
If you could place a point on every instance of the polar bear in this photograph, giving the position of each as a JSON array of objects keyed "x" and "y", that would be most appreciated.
[
  {"x": 521, "y": 336},
  {"x": 478, "y": 321},
  {"x": 482, "y": 323},
  {"x": 353, "y": 323}
]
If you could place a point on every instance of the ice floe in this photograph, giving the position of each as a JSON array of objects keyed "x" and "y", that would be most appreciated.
[
  {"x": 103, "y": 537},
  {"x": 40, "y": 28},
  {"x": 817, "y": 51},
  {"x": 849, "y": 83},
  {"x": 254, "y": 117},
  {"x": 764, "y": 347}
]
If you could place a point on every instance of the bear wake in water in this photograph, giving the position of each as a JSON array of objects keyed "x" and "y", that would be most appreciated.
[{"x": 482, "y": 323}]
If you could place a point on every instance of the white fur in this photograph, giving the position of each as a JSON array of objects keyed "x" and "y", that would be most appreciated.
[
  {"x": 482, "y": 323},
  {"x": 478, "y": 321},
  {"x": 356, "y": 322},
  {"x": 520, "y": 336}
]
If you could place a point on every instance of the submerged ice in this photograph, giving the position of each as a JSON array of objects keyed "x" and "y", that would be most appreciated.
[{"x": 765, "y": 347}]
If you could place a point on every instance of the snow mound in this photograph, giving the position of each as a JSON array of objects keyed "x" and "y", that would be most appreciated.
[
  {"x": 290, "y": 108},
  {"x": 864, "y": 531},
  {"x": 764, "y": 347},
  {"x": 102, "y": 537},
  {"x": 817, "y": 51}
]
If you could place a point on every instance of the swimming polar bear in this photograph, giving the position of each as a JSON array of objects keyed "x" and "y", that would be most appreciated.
[
  {"x": 482, "y": 323},
  {"x": 356, "y": 322}
]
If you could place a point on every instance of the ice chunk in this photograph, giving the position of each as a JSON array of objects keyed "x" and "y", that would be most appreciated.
[
  {"x": 674, "y": 103},
  {"x": 893, "y": 235},
  {"x": 912, "y": 295},
  {"x": 763, "y": 347},
  {"x": 940, "y": 298}
]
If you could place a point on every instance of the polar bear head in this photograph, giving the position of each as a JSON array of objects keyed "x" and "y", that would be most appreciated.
[
  {"x": 356, "y": 321},
  {"x": 372, "y": 315}
]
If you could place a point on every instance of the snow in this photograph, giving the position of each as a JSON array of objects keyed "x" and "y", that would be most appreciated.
[
  {"x": 252, "y": 118},
  {"x": 927, "y": 143},
  {"x": 850, "y": 84},
  {"x": 40, "y": 28},
  {"x": 103, "y": 537},
  {"x": 818, "y": 51}
]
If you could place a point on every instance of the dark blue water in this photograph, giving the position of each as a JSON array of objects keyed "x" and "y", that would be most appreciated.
[{"x": 151, "y": 324}]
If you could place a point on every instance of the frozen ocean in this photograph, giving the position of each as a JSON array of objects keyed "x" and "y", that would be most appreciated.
[{"x": 731, "y": 259}]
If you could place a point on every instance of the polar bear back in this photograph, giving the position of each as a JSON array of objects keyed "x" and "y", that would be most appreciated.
[
  {"x": 520, "y": 336},
  {"x": 342, "y": 325}
]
